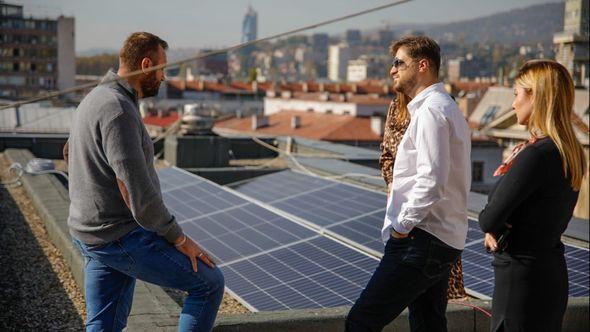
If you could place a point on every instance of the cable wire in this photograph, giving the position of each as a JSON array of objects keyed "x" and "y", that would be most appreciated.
[
  {"x": 307, "y": 170},
  {"x": 34, "y": 167},
  {"x": 201, "y": 56},
  {"x": 480, "y": 309}
]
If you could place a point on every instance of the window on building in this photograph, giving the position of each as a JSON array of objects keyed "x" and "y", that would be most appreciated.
[
  {"x": 477, "y": 171},
  {"x": 16, "y": 80}
]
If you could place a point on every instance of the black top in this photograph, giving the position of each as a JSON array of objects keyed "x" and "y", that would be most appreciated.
[{"x": 534, "y": 197}]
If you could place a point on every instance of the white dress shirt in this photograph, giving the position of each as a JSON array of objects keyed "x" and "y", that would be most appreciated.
[{"x": 432, "y": 171}]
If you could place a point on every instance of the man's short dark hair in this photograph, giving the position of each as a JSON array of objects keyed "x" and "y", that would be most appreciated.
[
  {"x": 419, "y": 47},
  {"x": 138, "y": 46}
]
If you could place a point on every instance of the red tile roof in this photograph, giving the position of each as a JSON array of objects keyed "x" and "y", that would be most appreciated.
[
  {"x": 327, "y": 127},
  {"x": 163, "y": 122},
  {"x": 471, "y": 86},
  {"x": 365, "y": 87}
]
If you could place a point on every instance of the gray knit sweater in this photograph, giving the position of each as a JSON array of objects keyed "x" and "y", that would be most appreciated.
[{"x": 108, "y": 141}]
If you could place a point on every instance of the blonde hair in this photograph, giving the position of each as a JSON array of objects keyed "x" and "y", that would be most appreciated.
[{"x": 553, "y": 91}]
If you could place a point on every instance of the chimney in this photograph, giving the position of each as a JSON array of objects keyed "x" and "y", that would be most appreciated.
[
  {"x": 259, "y": 121},
  {"x": 143, "y": 109},
  {"x": 271, "y": 93},
  {"x": 377, "y": 125},
  {"x": 17, "y": 117},
  {"x": 324, "y": 96},
  {"x": 304, "y": 87},
  {"x": 189, "y": 74},
  {"x": 295, "y": 122},
  {"x": 239, "y": 114},
  {"x": 254, "y": 86},
  {"x": 286, "y": 94}
]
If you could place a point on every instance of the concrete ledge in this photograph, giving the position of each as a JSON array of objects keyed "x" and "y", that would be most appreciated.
[
  {"x": 153, "y": 309},
  {"x": 460, "y": 318}
]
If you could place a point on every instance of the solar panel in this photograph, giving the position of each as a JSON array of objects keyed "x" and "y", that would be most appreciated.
[
  {"x": 478, "y": 273},
  {"x": 355, "y": 215},
  {"x": 269, "y": 261},
  {"x": 352, "y": 214},
  {"x": 318, "y": 273}
]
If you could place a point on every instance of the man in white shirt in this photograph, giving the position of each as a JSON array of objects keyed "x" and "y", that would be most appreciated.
[{"x": 426, "y": 218}]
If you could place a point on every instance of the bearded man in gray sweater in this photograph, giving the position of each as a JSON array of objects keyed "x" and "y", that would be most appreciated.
[{"x": 117, "y": 217}]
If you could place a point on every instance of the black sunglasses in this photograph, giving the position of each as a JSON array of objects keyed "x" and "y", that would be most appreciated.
[{"x": 397, "y": 63}]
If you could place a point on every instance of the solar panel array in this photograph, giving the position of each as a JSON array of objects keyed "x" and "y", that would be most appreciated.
[
  {"x": 355, "y": 215},
  {"x": 269, "y": 239},
  {"x": 478, "y": 273},
  {"x": 269, "y": 261}
]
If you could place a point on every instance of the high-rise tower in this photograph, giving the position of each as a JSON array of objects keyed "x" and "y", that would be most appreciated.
[
  {"x": 250, "y": 25},
  {"x": 572, "y": 42}
]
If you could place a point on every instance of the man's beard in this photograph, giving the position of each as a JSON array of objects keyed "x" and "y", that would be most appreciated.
[
  {"x": 405, "y": 87},
  {"x": 150, "y": 85}
]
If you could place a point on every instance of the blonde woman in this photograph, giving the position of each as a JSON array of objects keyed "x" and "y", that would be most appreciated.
[{"x": 532, "y": 203}]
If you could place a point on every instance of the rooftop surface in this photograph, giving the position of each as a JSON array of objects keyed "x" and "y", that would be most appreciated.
[{"x": 317, "y": 126}]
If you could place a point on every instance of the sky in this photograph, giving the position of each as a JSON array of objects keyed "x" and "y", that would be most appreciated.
[{"x": 217, "y": 23}]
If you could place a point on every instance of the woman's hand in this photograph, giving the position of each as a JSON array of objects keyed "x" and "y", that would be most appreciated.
[{"x": 490, "y": 243}]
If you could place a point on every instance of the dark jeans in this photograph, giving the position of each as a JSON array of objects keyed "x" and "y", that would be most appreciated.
[
  {"x": 112, "y": 268},
  {"x": 413, "y": 273}
]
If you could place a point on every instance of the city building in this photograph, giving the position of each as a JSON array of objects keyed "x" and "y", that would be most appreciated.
[
  {"x": 468, "y": 68},
  {"x": 365, "y": 67},
  {"x": 325, "y": 102},
  {"x": 250, "y": 25},
  {"x": 232, "y": 98},
  {"x": 338, "y": 57},
  {"x": 344, "y": 129},
  {"x": 467, "y": 95},
  {"x": 213, "y": 64},
  {"x": 572, "y": 42},
  {"x": 319, "y": 43},
  {"x": 353, "y": 37},
  {"x": 36, "y": 54},
  {"x": 386, "y": 37}
]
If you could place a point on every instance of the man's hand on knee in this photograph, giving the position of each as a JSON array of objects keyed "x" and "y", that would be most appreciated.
[{"x": 192, "y": 250}]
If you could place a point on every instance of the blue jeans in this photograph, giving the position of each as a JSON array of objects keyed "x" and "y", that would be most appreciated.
[
  {"x": 413, "y": 273},
  {"x": 112, "y": 268}
]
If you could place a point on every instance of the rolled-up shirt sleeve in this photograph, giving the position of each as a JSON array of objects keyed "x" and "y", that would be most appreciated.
[
  {"x": 432, "y": 142},
  {"x": 123, "y": 147}
]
